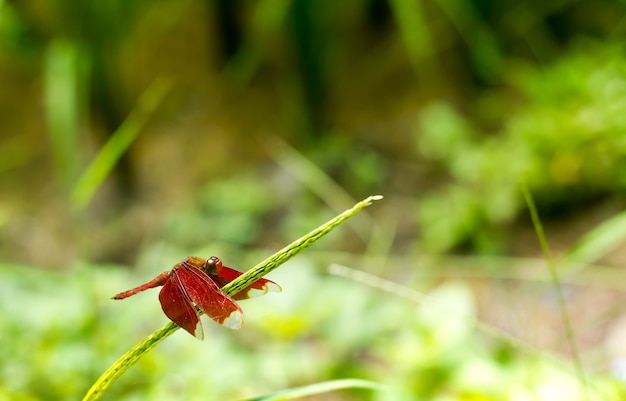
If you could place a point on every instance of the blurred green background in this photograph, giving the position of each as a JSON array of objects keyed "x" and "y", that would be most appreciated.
[{"x": 133, "y": 134}]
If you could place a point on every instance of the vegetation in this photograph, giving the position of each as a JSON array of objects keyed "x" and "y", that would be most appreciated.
[{"x": 134, "y": 134}]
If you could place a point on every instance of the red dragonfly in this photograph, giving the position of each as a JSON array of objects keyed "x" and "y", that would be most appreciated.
[{"x": 195, "y": 283}]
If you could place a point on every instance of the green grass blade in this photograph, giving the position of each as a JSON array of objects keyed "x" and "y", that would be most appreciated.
[
  {"x": 119, "y": 142},
  {"x": 241, "y": 282},
  {"x": 318, "y": 388},
  {"x": 267, "y": 19},
  {"x": 62, "y": 107},
  {"x": 292, "y": 249},
  {"x": 554, "y": 276},
  {"x": 603, "y": 239},
  {"x": 316, "y": 180},
  {"x": 415, "y": 32},
  {"x": 378, "y": 240}
]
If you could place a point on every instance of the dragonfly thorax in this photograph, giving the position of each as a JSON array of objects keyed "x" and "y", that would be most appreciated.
[{"x": 212, "y": 265}]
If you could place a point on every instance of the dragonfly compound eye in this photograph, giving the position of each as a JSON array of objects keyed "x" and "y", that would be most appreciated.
[{"x": 213, "y": 265}]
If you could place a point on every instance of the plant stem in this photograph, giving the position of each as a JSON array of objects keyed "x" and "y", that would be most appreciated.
[
  {"x": 134, "y": 354},
  {"x": 554, "y": 275}
]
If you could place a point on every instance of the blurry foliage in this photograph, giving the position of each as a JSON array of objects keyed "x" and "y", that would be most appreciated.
[
  {"x": 349, "y": 162},
  {"x": 564, "y": 137},
  {"x": 57, "y": 340},
  {"x": 14, "y": 32},
  {"x": 224, "y": 211},
  {"x": 503, "y": 90}
]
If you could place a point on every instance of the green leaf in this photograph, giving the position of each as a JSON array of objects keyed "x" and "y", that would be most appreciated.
[
  {"x": 62, "y": 106},
  {"x": 119, "y": 142},
  {"x": 318, "y": 388},
  {"x": 598, "y": 242}
]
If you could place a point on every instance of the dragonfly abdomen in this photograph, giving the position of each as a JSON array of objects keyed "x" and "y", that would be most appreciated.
[{"x": 156, "y": 282}]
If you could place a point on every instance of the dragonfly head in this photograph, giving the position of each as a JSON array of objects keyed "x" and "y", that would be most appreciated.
[{"x": 212, "y": 265}]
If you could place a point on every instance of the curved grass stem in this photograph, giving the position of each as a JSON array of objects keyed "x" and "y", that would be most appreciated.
[{"x": 134, "y": 354}]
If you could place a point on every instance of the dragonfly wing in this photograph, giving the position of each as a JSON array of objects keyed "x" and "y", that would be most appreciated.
[
  {"x": 260, "y": 287},
  {"x": 177, "y": 305},
  {"x": 209, "y": 298}
]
